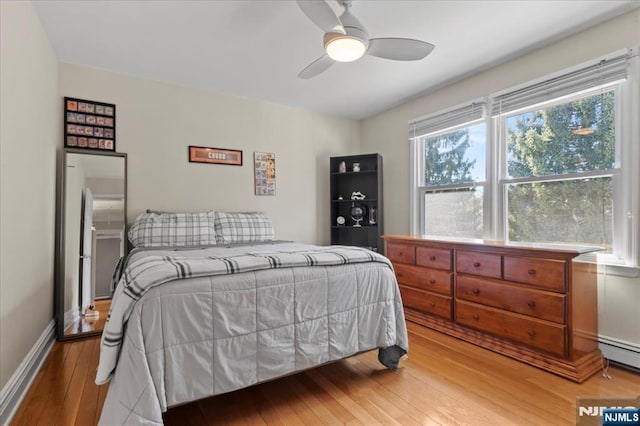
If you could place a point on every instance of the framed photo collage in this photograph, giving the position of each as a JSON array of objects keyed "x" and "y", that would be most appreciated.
[{"x": 89, "y": 124}]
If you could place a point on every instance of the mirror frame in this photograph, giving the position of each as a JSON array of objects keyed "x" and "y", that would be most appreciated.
[{"x": 60, "y": 237}]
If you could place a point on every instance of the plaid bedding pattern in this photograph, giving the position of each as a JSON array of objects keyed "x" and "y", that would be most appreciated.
[
  {"x": 173, "y": 230},
  {"x": 243, "y": 227},
  {"x": 153, "y": 270}
]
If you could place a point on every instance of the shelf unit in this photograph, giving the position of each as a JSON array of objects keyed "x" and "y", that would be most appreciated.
[{"x": 368, "y": 181}]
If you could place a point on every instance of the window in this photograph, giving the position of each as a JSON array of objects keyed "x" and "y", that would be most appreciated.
[
  {"x": 560, "y": 163},
  {"x": 551, "y": 162},
  {"x": 452, "y": 172}
]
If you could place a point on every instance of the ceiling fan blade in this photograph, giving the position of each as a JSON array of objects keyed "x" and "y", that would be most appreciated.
[
  {"x": 400, "y": 49},
  {"x": 321, "y": 14},
  {"x": 316, "y": 67}
]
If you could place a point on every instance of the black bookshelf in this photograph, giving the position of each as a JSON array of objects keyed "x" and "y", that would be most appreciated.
[{"x": 368, "y": 181}]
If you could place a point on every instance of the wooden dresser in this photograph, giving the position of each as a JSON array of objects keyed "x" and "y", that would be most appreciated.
[{"x": 533, "y": 303}]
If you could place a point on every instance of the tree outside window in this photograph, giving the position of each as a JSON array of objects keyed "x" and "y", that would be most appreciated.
[{"x": 568, "y": 144}]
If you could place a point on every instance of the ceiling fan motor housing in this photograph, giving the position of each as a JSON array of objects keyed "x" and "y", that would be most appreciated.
[{"x": 354, "y": 31}]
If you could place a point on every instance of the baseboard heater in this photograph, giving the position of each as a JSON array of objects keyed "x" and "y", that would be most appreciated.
[{"x": 620, "y": 352}]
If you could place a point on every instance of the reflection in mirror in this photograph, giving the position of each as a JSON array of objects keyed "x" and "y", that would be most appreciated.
[{"x": 93, "y": 224}]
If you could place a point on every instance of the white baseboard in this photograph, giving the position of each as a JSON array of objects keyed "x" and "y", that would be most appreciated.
[
  {"x": 71, "y": 316},
  {"x": 619, "y": 351},
  {"x": 13, "y": 392}
]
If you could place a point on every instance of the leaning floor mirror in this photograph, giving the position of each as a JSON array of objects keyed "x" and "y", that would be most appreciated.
[{"x": 91, "y": 236}]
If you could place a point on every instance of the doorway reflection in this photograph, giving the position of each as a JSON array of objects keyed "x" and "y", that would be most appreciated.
[{"x": 93, "y": 224}]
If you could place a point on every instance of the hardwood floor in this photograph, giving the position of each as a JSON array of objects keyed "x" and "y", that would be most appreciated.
[{"x": 444, "y": 382}]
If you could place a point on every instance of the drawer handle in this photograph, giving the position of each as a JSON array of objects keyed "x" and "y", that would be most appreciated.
[
  {"x": 432, "y": 304},
  {"x": 399, "y": 274},
  {"x": 476, "y": 264},
  {"x": 476, "y": 291},
  {"x": 531, "y": 333},
  {"x": 531, "y": 272},
  {"x": 532, "y": 304},
  {"x": 476, "y": 317},
  {"x": 432, "y": 258},
  {"x": 432, "y": 281}
]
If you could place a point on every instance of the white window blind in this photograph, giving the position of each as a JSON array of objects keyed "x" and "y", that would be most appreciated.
[
  {"x": 448, "y": 119},
  {"x": 599, "y": 74}
]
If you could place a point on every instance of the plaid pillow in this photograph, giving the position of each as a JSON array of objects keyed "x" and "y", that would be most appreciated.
[
  {"x": 173, "y": 230},
  {"x": 243, "y": 227}
]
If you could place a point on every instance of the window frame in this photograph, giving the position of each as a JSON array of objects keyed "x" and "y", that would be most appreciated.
[
  {"x": 422, "y": 189},
  {"x": 625, "y": 177},
  {"x": 503, "y": 180}
]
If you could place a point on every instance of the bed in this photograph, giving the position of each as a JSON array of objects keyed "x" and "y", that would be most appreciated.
[{"x": 192, "y": 321}]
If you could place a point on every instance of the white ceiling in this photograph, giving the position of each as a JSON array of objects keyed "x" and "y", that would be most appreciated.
[{"x": 255, "y": 48}]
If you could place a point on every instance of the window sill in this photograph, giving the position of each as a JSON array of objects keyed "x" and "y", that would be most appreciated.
[
  {"x": 619, "y": 270},
  {"x": 610, "y": 265}
]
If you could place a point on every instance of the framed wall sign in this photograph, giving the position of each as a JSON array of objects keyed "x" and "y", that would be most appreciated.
[
  {"x": 265, "y": 173},
  {"x": 89, "y": 124},
  {"x": 201, "y": 154}
]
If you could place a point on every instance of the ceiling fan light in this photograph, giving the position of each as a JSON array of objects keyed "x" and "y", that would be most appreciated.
[{"x": 343, "y": 48}]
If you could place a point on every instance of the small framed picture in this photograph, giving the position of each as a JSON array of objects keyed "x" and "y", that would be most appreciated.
[
  {"x": 264, "y": 169},
  {"x": 200, "y": 154},
  {"x": 89, "y": 124}
]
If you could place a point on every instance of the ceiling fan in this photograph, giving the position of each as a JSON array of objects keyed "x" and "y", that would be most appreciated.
[{"x": 346, "y": 39}]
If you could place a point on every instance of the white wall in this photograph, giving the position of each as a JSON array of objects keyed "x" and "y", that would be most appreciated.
[
  {"x": 387, "y": 132},
  {"x": 30, "y": 131},
  {"x": 156, "y": 122}
]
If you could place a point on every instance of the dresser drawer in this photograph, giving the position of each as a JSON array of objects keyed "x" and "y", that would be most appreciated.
[
  {"x": 471, "y": 262},
  {"x": 424, "y": 278},
  {"x": 536, "y": 303},
  {"x": 426, "y": 302},
  {"x": 536, "y": 333},
  {"x": 545, "y": 273},
  {"x": 434, "y": 257},
  {"x": 402, "y": 253}
]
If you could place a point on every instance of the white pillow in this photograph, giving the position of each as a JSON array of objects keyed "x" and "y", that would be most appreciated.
[
  {"x": 173, "y": 230},
  {"x": 243, "y": 227}
]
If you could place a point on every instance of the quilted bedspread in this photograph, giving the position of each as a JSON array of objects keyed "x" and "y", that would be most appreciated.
[{"x": 188, "y": 324}]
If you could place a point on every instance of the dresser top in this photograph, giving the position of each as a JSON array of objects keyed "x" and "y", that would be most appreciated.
[{"x": 453, "y": 241}]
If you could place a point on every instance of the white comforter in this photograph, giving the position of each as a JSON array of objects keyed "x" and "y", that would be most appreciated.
[{"x": 192, "y": 338}]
